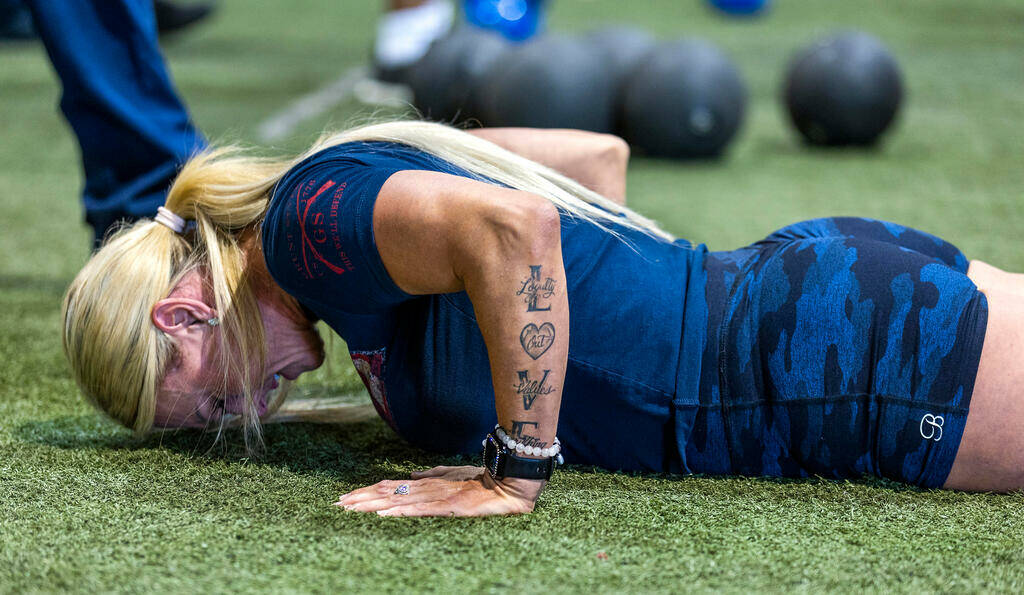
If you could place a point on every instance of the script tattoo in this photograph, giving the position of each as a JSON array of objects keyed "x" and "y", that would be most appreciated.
[
  {"x": 533, "y": 289},
  {"x": 531, "y": 389},
  {"x": 526, "y": 439},
  {"x": 537, "y": 339}
]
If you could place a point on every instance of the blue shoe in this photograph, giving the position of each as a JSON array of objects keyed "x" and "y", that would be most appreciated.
[{"x": 517, "y": 20}]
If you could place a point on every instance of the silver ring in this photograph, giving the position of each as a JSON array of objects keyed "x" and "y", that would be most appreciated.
[{"x": 402, "y": 490}]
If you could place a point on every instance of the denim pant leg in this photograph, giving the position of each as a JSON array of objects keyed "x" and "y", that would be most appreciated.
[{"x": 132, "y": 128}]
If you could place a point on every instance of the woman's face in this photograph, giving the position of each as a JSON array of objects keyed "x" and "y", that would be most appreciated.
[{"x": 194, "y": 393}]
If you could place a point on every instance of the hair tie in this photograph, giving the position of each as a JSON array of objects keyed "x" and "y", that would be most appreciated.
[{"x": 169, "y": 219}]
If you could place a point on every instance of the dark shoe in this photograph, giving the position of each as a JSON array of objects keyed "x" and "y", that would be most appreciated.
[
  {"x": 395, "y": 75},
  {"x": 15, "y": 21},
  {"x": 171, "y": 17}
]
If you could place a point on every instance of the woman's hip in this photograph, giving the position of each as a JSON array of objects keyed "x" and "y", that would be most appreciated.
[{"x": 838, "y": 355}]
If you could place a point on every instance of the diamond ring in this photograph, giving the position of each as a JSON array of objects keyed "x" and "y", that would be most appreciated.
[{"x": 402, "y": 490}]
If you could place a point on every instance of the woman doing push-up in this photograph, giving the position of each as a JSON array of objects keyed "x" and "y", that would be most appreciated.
[{"x": 492, "y": 288}]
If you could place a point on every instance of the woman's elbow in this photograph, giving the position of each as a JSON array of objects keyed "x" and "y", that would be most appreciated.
[
  {"x": 528, "y": 227},
  {"x": 545, "y": 225},
  {"x": 544, "y": 217},
  {"x": 615, "y": 149}
]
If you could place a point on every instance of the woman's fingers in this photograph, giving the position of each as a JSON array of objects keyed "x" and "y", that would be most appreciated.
[
  {"x": 473, "y": 503},
  {"x": 390, "y": 493},
  {"x": 442, "y": 508},
  {"x": 424, "y": 495},
  {"x": 381, "y": 488},
  {"x": 435, "y": 492}
]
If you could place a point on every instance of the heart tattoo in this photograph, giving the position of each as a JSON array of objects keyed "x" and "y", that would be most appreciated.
[{"x": 536, "y": 340}]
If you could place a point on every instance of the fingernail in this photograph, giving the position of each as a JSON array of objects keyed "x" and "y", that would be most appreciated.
[
  {"x": 349, "y": 506},
  {"x": 383, "y": 513}
]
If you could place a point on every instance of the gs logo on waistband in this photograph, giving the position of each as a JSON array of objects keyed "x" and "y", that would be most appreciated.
[{"x": 931, "y": 427}]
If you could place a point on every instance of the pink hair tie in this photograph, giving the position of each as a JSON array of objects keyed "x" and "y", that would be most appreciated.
[{"x": 168, "y": 218}]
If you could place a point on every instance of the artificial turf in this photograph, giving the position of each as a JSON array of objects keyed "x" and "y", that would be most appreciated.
[{"x": 84, "y": 507}]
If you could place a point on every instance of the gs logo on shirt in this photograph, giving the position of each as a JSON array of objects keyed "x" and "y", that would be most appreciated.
[{"x": 318, "y": 248}]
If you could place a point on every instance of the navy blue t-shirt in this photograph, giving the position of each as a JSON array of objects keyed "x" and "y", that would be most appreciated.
[{"x": 634, "y": 345}]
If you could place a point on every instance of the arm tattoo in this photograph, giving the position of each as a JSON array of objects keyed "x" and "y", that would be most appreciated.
[
  {"x": 533, "y": 289},
  {"x": 526, "y": 439},
  {"x": 537, "y": 339},
  {"x": 531, "y": 389}
]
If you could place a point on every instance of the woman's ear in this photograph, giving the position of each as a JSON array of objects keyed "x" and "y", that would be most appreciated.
[{"x": 173, "y": 315}]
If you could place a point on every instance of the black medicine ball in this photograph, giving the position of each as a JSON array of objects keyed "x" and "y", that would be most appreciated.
[
  {"x": 552, "y": 82},
  {"x": 621, "y": 47},
  {"x": 843, "y": 90},
  {"x": 684, "y": 100},
  {"x": 444, "y": 79}
]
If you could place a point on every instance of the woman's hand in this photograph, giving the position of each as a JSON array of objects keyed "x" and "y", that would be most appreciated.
[{"x": 446, "y": 491}]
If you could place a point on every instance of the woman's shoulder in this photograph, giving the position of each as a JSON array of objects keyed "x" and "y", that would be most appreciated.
[
  {"x": 317, "y": 230},
  {"x": 375, "y": 153}
]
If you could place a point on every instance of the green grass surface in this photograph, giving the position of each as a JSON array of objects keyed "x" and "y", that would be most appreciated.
[{"x": 83, "y": 507}]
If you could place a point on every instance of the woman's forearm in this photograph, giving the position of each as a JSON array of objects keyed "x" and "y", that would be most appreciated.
[
  {"x": 517, "y": 287},
  {"x": 598, "y": 161},
  {"x": 438, "y": 233}
]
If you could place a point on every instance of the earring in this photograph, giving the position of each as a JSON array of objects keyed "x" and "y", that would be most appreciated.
[{"x": 213, "y": 321}]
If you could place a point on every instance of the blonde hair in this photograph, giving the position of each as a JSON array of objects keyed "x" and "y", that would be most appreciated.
[{"x": 119, "y": 357}]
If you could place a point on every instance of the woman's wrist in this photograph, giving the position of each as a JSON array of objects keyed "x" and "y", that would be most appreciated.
[
  {"x": 531, "y": 450},
  {"x": 526, "y": 489},
  {"x": 502, "y": 460}
]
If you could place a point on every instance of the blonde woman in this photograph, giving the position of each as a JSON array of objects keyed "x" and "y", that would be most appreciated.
[{"x": 493, "y": 289}]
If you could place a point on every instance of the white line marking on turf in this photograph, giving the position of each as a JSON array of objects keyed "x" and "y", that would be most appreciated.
[
  {"x": 311, "y": 105},
  {"x": 374, "y": 92}
]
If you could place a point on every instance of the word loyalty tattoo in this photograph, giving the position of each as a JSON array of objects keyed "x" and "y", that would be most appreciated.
[
  {"x": 533, "y": 289},
  {"x": 526, "y": 439},
  {"x": 531, "y": 389},
  {"x": 537, "y": 339}
]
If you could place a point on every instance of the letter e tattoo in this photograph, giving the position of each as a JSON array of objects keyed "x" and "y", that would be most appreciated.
[{"x": 526, "y": 439}]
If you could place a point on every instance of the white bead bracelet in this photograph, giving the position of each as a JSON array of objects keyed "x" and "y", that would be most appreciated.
[{"x": 521, "y": 448}]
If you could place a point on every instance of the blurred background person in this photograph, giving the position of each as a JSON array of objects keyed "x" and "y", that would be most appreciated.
[{"x": 132, "y": 128}]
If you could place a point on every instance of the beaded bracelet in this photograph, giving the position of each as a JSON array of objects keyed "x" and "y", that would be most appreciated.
[{"x": 521, "y": 448}]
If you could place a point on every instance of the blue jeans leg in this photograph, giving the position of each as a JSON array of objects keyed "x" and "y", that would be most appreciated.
[{"x": 132, "y": 128}]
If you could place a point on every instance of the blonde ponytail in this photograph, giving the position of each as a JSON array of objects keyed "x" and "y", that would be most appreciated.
[
  {"x": 108, "y": 338},
  {"x": 117, "y": 355}
]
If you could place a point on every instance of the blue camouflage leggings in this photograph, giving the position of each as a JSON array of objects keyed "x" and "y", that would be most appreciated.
[{"x": 838, "y": 347}]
